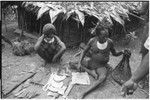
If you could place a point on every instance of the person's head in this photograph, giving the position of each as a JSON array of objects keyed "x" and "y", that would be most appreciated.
[
  {"x": 101, "y": 33},
  {"x": 49, "y": 30}
]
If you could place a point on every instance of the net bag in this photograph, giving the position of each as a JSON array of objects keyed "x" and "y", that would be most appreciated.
[
  {"x": 22, "y": 48},
  {"x": 122, "y": 71}
]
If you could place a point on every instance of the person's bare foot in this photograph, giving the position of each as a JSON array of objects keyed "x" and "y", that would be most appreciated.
[
  {"x": 47, "y": 71},
  {"x": 82, "y": 96},
  {"x": 94, "y": 74},
  {"x": 44, "y": 64}
]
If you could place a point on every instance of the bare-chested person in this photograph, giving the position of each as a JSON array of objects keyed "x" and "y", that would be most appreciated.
[
  {"x": 97, "y": 54},
  {"x": 49, "y": 46}
]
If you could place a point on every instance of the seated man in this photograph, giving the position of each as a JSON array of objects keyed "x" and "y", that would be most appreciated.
[
  {"x": 98, "y": 50},
  {"x": 49, "y": 46}
]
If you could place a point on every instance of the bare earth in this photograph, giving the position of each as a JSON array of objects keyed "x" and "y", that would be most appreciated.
[{"x": 12, "y": 65}]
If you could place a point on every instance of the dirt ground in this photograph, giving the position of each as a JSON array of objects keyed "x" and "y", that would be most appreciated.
[{"x": 12, "y": 65}]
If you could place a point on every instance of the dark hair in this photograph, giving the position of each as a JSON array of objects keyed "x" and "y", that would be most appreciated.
[
  {"x": 49, "y": 29},
  {"x": 101, "y": 28}
]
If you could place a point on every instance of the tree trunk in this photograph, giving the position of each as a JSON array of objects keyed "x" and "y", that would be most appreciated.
[{"x": 22, "y": 26}]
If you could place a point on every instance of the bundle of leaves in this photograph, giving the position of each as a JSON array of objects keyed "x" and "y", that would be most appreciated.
[{"x": 22, "y": 48}]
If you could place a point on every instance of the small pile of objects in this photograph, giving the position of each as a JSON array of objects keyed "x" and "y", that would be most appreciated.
[
  {"x": 62, "y": 84},
  {"x": 22, "y": 48}
]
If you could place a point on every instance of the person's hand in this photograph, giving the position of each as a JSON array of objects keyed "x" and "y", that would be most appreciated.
[
  {"x": 126, "y": 51},
  {"x": 54, "y": 59},
  {"x": 42, "y": 36},
  {"x": 122, "y": 51},
  {"x": 128, "y": 87},
  {"x": 80, "y": 67}
]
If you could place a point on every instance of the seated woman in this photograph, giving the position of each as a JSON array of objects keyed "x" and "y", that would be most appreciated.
[
  {"x": 49, "y": 46},
  {"x": 98, "y": 50}
]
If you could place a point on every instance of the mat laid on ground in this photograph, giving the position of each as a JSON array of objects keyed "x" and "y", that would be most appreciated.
[{"x": 15, "y": 82}]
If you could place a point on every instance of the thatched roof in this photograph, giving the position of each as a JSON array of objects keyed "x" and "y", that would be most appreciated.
[{"x": 103, "y": 11}]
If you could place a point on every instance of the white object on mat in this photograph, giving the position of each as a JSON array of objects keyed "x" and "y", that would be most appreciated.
[
  {"x": 59, "y": 78},
  {"x": 55, "y": 86},
  {"x": 77, "y": 78},
  {"x": 80, "y": 78}
]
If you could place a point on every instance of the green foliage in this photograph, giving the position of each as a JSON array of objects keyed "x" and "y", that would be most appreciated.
[{"x": 101, "y": 10}]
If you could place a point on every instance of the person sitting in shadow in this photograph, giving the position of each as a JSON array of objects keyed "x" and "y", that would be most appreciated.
[{"x": 49, "y": 46}]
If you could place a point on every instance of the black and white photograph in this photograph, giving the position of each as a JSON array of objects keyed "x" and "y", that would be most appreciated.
[{"x": 74, "y": 49}]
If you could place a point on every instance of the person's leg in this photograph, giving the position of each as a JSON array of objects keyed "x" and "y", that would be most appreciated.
[
  {"x": 59, "y": 57},
  {"x": 86, "y": 66},
  {"x": 43, "y": 54},
  {"x": 102, "y": 72},
  {"x": 143, "y": 81},
  {"x": 89, "y": 67},
  {"x": 143, "y": 51}
]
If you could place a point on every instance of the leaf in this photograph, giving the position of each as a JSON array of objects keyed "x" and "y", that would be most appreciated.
[
  {"x": 42, "y": 11},
  {"x": 54, "y": 14},
  {"x": 117, "y": 17},
  {"x": 81, "y": 16},
  {"x": 39, "y": 4},
  {"x": 68, "y": 14},
  {"x": 26, "y": 4},
  {"x": 108, "y": 17},
  {"x": 122, "y": 13},
  {"x": 96, "y": 9},
  {"x": 95, "y": 15}
]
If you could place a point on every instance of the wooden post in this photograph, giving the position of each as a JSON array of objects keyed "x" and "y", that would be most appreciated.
[
  {"x": 69, "y": 32},
  {"x": 22, "y": 26},
  {"x": 40, "y": 31},
  {"x": 4, "y": 13},
  {"x": 60, "y": 30},
  {"x": 82, "y": 31}
]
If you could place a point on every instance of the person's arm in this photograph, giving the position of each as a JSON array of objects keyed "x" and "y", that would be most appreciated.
[
  {"x": 61, "y": 51},
  {"x": 38, "y": 43},
  {"x": 85, "y": 51},
  {"x": 142, "y": 70},
  {"x": 113, "y": 51},
  {"x": 131, "y": 85}
]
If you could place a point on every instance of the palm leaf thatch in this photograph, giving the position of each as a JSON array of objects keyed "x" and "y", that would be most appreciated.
[
  {"x": 54, "y": 14},
  {"x": 77, "y": 19},
  {"x": 101, "y": 10},
  {"x": 108, "y": 14},
  {"x": 42, "y": 11},
  {"x": 54, "y": 10}
]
